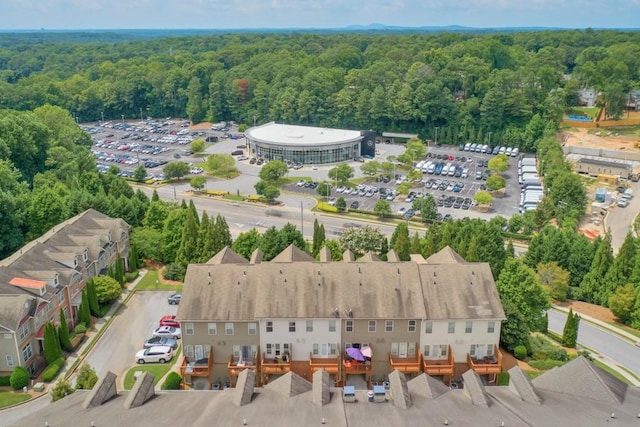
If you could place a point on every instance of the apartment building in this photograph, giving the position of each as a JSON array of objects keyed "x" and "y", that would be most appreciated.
[
  {"x": 355, "y": 318},
  {"x": 48, "y": 274}
]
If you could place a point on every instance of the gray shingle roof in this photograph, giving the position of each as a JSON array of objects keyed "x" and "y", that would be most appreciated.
[
  {"x": 426, "y": 386},
  {"x": 292, "y": 254},
  {"x": 227, "y": 256},
  {"x": 289, "y": 385},
  {"x": 474, "y": 389},
  {"x": 13, "y": 308},
  {"x": 520, "y": 384},
  {"x": 583, "y": 378},
  {"x": 309, "y": 289}
]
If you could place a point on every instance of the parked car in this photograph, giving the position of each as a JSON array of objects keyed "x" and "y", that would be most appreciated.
[
  {"x": 167, "y": 331},
  {"x": 237, "y": 152},
  {"x": 156, "y": 354},
  {"x": 169, "y": 321},
  {"x": 174, "y": 299},
  {"x": 156, "y": 341},
  {"x": 402, "y": 211},
  {"x": 355, "y": 204}
]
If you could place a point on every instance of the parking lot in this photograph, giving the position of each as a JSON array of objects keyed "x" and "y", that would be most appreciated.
[
  {"x": 151, "y": 143},
  {"x": 453, "y": 191}
]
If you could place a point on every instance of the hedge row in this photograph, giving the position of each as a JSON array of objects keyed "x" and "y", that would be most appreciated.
[
  {"x": 327, "y": 207},
  {"x": 5, "y": 381},
  {"x": 52, "y": 370},
  {"x": 217, "y": 192},
  {"x": 545, "y": 365}
]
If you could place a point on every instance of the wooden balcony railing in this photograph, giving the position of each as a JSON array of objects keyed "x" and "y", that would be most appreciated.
[
  {"x": 409, "y": 365},
  {"x": 329, "y": 364},
  {"x": 234, "y": 367},
  {"x": 274, "y": 366},
  {"x": 439, "y": 366},
  {"x": 487, "y": 365},
  {"x": 197, "y": 368},
  {"x": 353, "y": 367}
]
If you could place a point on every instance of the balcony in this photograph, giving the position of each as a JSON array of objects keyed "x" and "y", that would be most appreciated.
[
  {"x": 235, "y": 367},
  {"x": 407, "y": 365},
  {"x": 329, "y": 364},
  {"x": 197, "y": 368},
  {"x": 274, "y": 366},
  {"x": 489, "y": 365},
  {"x": 437, "y": 367},
  {"x": 354, "y": 367}
]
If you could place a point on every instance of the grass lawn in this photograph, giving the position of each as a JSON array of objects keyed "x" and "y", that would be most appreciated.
[
  {"x": 8, "y": 398},
  {"x": 158, "y": 370},
  {"x": 533, "y": 374},
  {"x": 588, "y": 111},
  {"x": 151, "y": 282}
]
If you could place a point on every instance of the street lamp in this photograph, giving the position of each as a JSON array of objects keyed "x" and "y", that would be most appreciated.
[
  {"x": 489, "y": 138},
  {"x": 437, "y": 136},
  {"x": 102, "y": 115},
  {"x": 122, "y": 119}
]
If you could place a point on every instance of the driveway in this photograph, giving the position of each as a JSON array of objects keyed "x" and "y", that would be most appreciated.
[{"x": 117, "y": 347}]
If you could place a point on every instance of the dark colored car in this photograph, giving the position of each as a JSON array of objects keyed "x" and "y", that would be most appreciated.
[
  {"x": 355, "y": 204},
  {"x": 154, "y": 341},
  {"x": 174, "y": 299}
]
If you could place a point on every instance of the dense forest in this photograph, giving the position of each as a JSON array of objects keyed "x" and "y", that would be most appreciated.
[{"x": 465, "y": 84}]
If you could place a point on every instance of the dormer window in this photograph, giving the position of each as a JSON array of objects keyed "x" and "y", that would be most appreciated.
[
  {"x": 75, "y": 262},
  {"x": 85, "y": 255},
  {"x": 55, "y": 279}
]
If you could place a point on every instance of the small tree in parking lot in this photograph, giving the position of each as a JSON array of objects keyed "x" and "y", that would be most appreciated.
[
  {"x": 197, "y": 145},
  {"x": 341, "y": 173},
  {"x": 324, "y": 189},
  {"x": 382, "y": 209},
  {"x": 197, "y": 182},
  {"x": 341, "y": 203},
  {"x": 370, "y": 168},
  {"x": 499, "y": 163},
  {"x": 483, "y": 198},
  {"x": 175, "y": 170},
  {"x": 496, "y": 182}
]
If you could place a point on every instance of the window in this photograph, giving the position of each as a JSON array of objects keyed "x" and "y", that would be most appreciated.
[
  {"x": 228, "y": 328},
  {"x": 292, "y": 326},
  {"x": 425, "y": 353},
  {"x": 428, "y": 327},
  {"x": 26, "y": 352},
  {"x": 332, "y": 325},
  {"x": 372, "y": 325},
  {"x": 452, "y": 327},
  {"x": 489, "y": 349},
  {"x": 60, "y": 297},
  {"x": 251, "y": 328},
  {"x": 472, "y": 350},
  {"x": 24, "y": 331},
  {"x": 411, "y": 349},
  {"x": 348, "y": 325},
  {"x": 9, "y": 361},
  {"x": 269, "y": 349},
  {"x": 412, "y": 326},
  {"x": 491, "y": 327},
  {"x": 468, "y": 327},
  {"x": 394, "y": 349},
  {"x": 309, "y": 325},
  {"x": 333, "y": 349},
  {"x": 316, "y": 350},
  {"x": 388, "y": 325},
  {"x": 443, "y": 350},
  {"x": 188, "y": 328},
  {"x": 269, "y": 326},
  {"x": 49, "y": 306},
  {"x": 188, "y": 350},
  {"x": 213, "y": 330}
]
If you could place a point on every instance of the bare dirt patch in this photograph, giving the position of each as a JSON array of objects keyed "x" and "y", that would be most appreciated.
[
  {"x": 592, "y": 310},
  {"x": 581, "y": 137}
]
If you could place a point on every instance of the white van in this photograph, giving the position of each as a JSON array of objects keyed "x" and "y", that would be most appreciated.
[
  {"x": 419, "y": 165},
  {"x": 485, "y": 148},
  {"x": 431, "y": 169},
  {"x": 425, "y": 167},
  {"x": 472, "y": 148},
  {"x": 515, "y": 152},
  {"x": 467, "y": 146}
]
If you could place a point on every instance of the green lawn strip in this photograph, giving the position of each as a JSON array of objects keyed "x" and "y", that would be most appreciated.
[
  {"x": 631, "y": 374},
  {"x": 158, "y": 370},
  {"x": 8, "y": 398},
  {"x": 151, "y": 282},
  {"x": 612, "y": 371},
  {"x": 626, "y": 328}
]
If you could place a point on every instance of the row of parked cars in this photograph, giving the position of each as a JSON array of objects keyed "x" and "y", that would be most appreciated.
[
  {"x": 160, "y": 347},
  {"x": 487, "y": 149}
]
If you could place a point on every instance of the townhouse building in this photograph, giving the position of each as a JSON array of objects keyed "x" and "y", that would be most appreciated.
[
  {"x": 354, "y": 318},
  {"x": 48, "y": 274}
]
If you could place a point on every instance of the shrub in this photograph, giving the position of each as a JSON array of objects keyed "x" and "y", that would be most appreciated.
[
  {"x": 107, "y": 289},
  {"x": 174, "y": 271},
  {"x": 217, "y": 192},
  {"x": 61, "y": 389},
  {"x": 130, "y": 277},
  {"x": 172, "y": 382},
  {"x": 80, "y": 329},
  {"x": 86, "y": 377},
  {"x": 5, "y": 381},
  {"x": 52, "y": 370},
  {"x": 558, "y": 354},
  {"x": 545, "y": 365},
  {"x": 520, "y": 352},
  {"x": 326, "y": 207},
  {"x": 19, "y": 378},
  {"x": 539, "y": 355}
]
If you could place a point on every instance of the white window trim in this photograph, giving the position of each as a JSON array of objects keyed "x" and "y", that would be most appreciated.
[
  {"x": 370, "y": 324},
  {"x": 212, "y": 328},
  {"x": 468, "y": 327},
  {"x": 188, "y": 328},
  {"x": 491, "y": 327},
  {"x": 451, "y": 327},
  {"x": 388, "y": 325},
  {"x": 269, "y": 326},
  {"x": 411, "y": 328},
  {"x": 228, "y": 327},
  {"x": 332, "y": 325},
  {"x": 292, "y": 326},
  {"x": 9, "y": 360},
  {"x": 348, "y": 324},
  {"x": 252, "y": 330},
  {"x": 309, "y": 326},
  {"x": 428, "y": 327}
]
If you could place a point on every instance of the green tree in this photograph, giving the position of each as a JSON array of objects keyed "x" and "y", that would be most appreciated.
[
  {"x": 195, "y": 104},
  {"x": 84, "y": 314},
  {"x": 198, "y": 182},
  {"x": 107, "y": 289},
  {"x": 14, "y": 201},
  {"x": 221, "y": 165},
  {"x": 172, "y": 381},
  {"x": 246, "y": 243},
  {"x": 592, "y": 282},
  {"x": 140, "y": 174},
  {"x": 268, "y": 191},
  {"x": 175, "y": 170},
  {"x": 49, "y": 207},
  {"x": 61, "y": 389},
  {"x": 518, "y": 285},
  {"x": 483, "y": 198},
  {"x": 341, "y": 174},
  {"x": 341, "y": 203},
  {"x": 400, "y": 242},
  {"x": 221, "y": 234},
  {"x": 318, "y": 238},
  {"x": 270, "y": 243},
  {"x": 132, "y": 259},
  {"x": 622, "y": 302},
  {"x": 189, "y": 245},
  {"x": 324, "y": 189},
  {"x": 499, "y": 163},
  {"x": 414, "y": 151},
  {"x": 205, "y": 238},
  {"x": 156, "y": 214},
  {"x": 19, "y": 378},
  {"x": 427, "y": 207},
  {"x": 197, "y": 145},
  {"x": 63, "y": 333},
  {"x": 621, "y": 269},
  {"x": 273, "y": 171},
  {"x": 496, "y": 182},
  {"x": 515, "y": 329},
  {"x": 149, "y": 243},
  {"x": 290, "y": 235},
  {"x": 52, "y": 351},
  {"x": 92, "y": 298},
  {"x": 370, "y": 168},
  {"x": 570, "y": 331},
  {"x": 554, "y": 279},
  {"x": 382, "y": 209},
  {"x": 86, "y": 378},
  {"x": 361, "y": 240},
  {"x": 172, "y": 234}
]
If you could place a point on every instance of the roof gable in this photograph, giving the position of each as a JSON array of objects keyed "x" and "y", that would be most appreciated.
[
  {"x": 292, "y": 254},
  {"x": 227, "y": 256}
]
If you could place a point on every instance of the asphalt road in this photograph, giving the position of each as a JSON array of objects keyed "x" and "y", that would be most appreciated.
[
  {"x": 601, "y": 341},
  {"x": 125, "y": 336}
]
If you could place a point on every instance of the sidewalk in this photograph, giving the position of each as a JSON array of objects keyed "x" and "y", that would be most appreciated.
[{"x": 621, "y": 333}]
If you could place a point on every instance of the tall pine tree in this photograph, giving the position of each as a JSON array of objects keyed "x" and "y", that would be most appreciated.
[
  {"x": 205, "y": 238},
  {"x": 92, "y": 297},
  {"x": 318, "y": 238},
  {"x": 84, "y": 313},
  {"x": 63, "y": 332},
  {"x": 51, "y": 344},
  {"x": 570, "y": 332},
  {"x": 221, "y": 234},
  {"x": 621, "y": 269},
  {"x": 592, "y": 282},
  {"x": 400, "y": 242},
  {"x": 188, "y": 251}
]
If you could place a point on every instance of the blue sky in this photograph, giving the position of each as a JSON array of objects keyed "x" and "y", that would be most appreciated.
[{"x": 116, "y": 14}]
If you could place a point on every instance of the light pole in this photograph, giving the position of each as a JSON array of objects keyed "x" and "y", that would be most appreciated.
[
  {"x": 102, "y": 115},
  {"x": 437, "y": 136},
  {"x": 141, "y": 114},
  {"x": 122, "y": 119}
]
